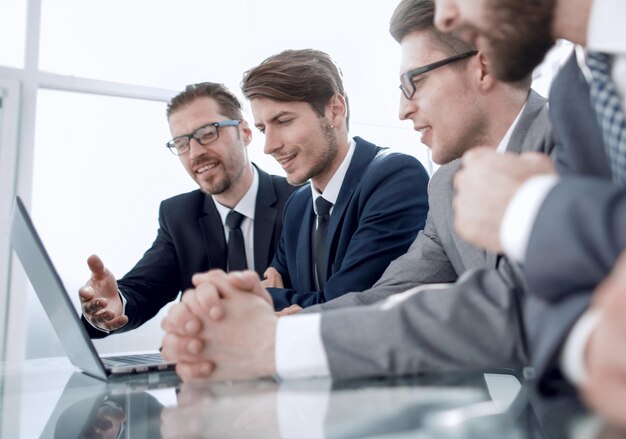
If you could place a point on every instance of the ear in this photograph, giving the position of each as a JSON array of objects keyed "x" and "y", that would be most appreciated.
[
  {"x": 246, "y": 132},
  {"x": 336, "y": 110},
  {"x": 486, "y": 79}
]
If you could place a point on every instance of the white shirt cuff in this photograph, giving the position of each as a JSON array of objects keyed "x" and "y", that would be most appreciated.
[
  {"x": 521, "y": 213},
  {"x": 299, "y": 349},
  {"x": 572, "y": 359},
  {"x": 123, "y": 312}
]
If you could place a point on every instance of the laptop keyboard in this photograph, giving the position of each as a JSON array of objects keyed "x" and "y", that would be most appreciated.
[{"x": 131, "y": 360}]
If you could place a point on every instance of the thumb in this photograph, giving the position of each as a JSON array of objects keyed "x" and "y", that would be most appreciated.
[
  {"x": 249, "y": 281},
  {"x": 96, "y": 265}
]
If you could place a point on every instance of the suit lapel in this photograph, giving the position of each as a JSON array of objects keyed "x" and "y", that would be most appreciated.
[
  {"x": 264, "y": 219},
  {"x": 304, "y": 261},
  {"x": 364, "y": 153},
  {"x": 213, "y": 234}
]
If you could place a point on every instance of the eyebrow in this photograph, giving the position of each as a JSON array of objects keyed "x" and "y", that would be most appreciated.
[{"x": 275, "y": 118}]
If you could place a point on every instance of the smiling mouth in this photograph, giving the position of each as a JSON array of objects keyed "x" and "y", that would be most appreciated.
[
  {"x": 205, "y": 168},
  {"x": 423, "y": 130},
  {"x": 284, "y": 161}
]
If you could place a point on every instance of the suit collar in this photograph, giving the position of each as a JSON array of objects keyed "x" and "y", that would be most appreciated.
[
  {"x": 535, "y": 104},
  {"x": 213, "y": 234},
  {"x": 264, "y": 219},
  {"x": 265, "y": 213}
]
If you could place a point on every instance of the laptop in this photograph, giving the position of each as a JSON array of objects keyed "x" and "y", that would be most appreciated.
[{"x": 58, "y": 306}]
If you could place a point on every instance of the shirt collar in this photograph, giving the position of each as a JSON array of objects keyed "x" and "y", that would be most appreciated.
[
  {"x": 247, "y": 203},
  {"x": 331, "y": 193},
  {"x": 504, "y": 143}
]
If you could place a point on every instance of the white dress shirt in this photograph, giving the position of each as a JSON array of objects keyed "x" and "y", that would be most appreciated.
[
  {"x": 245, "y": 207},
  {"x": 605, "y": 33},
  {"x": 299, "y": 349}
]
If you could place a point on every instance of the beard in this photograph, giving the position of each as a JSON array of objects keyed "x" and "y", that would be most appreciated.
[
  {"x": 521, "y": 36},
  {"x": 325, "y": 159}
]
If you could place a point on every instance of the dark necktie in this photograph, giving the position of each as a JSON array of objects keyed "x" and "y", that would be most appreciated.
[
  {"x": 319, "y": 241},
  {"x": 236, "y": 246},
  {"x": 608, "y": 108}
]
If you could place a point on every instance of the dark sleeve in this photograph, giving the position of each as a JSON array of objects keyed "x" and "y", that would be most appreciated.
[
  {"x": 151, "y": 283},
  {"x": 392, "y": 206}
]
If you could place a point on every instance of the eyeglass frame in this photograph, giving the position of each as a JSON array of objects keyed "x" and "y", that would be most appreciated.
[
  {"x": 225, "y": 123},
  {"x": 406, "y": 79}
]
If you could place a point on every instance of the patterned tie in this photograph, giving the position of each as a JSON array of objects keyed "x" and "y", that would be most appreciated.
[
  {"x": 608, "y": 108},
  {"x": 319, "y": 240},
  {"x": 236, "y": 246}
]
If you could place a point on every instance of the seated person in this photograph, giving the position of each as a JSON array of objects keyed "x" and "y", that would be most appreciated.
[
  {"x": 465, "y": 313},
  {"x": 364, "y": 205},
  {"x": 567, "y": 228},
  {"x": 210, "y": 138}
]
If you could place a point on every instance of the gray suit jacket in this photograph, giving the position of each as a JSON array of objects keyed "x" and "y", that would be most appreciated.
[
  {"x": 474, "y": 322},
  {"x": 579, "y": 231}
]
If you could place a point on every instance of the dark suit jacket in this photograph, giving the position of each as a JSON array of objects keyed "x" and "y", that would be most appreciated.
[
  {"x": 191, "y": 239},
  {"x": 578, "y": 233},
  {"x": 381, "y": 206}
]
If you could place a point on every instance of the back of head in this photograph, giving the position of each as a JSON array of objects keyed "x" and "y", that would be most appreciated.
[
  {"x": 419, "y": 16},
  {"x": 228, "y": 103},
  {"x": 305, "y": 75}
]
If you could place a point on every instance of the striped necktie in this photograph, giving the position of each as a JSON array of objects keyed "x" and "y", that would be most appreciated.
[{"x": 607, "y": 105}]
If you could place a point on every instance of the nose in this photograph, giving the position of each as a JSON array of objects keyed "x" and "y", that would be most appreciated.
[
  {"x": 407, "y": 107},
  {"x": 272, "y": 142},
  {"x": 446, "y": 15},
  {"x": 195, "y": 149}
]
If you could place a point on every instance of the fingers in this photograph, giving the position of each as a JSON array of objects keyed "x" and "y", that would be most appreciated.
[
  {"x": 93, "y": 304},
  {"x": 181, "y": 320},
  {"x": 272, "y": 279},
  {"x": 86, "y": 293},
  {"x": 249, "y": 281},
  {"x": 96, "y": 265},
  {"x": 206, "y": 277},
  {"x": 194, "y": 371},
  {"x": 292, "y": 309},
  {"x": 107, "y": 320},
  {"x": 225, "y": 284},
  {"x": 181, "y": 348}
]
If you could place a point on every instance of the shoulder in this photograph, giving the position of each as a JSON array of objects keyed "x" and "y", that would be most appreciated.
[
  {"x": 189, "y": 200},
  {"x": 386, "y": 165},
  {"x": 443, "y": 178}
]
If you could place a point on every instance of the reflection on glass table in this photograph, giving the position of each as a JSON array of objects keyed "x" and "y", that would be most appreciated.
[{"x": 443, "y": 405}]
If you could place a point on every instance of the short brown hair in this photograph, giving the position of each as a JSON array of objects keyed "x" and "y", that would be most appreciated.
[
  {"x": 419, "y": 16},
  {"x": 228, "y": 103},
  {"x": 305, "y": 75}
]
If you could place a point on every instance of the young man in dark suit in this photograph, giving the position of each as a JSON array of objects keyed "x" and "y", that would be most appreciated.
[
  {"x": 210, "y": 137},
  {"x": 377, "y": 200}
]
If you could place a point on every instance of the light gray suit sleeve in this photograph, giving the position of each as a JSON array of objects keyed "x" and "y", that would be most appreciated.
[
  {"x": 425, "y": 262},
  {"x": 435, "y": 329}
]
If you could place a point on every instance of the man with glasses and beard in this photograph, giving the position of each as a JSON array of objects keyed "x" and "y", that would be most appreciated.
[{"x": 210, "y": 138}]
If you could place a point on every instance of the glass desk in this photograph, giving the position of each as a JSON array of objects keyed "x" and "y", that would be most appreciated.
[{"x": 48, "y": 398}]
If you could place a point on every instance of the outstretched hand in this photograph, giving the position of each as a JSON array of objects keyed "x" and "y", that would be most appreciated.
[{"x": 99, "y": 297}]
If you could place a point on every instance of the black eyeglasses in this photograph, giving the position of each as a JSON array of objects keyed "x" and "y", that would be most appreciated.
[
  {"x": 406, "y": 80},
  {"x": 205, "y": 135}
]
